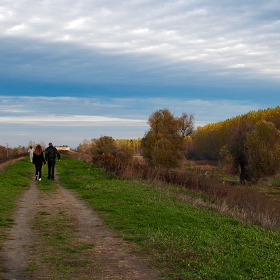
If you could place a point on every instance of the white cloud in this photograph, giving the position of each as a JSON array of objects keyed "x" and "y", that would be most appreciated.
[
  {"x": 240, "y": 65},
  {"x": 141, "y": 31},
  {"x": 17, "y": 28},
  {"x": 219, "y": 35},
  {"x": 76, "y": 24},
  {"x": 74, "y": 111},
  {"x": 71, "y": 120}
]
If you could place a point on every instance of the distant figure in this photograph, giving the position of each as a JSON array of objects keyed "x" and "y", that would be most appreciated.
[
  {"x": 50, "y": 155},
  {"x": 38, "y": 160},
  {"x": 30, "y": 151}
]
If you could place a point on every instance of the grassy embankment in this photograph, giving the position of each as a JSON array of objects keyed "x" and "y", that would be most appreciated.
[
  {"x": 183, "y": 240},
  {"x": 13, "y": 181}
]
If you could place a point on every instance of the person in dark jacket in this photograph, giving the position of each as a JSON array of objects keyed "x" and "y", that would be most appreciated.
[
  {"x": 50, "y": 155},
  {"x": 38, "y": 160}
]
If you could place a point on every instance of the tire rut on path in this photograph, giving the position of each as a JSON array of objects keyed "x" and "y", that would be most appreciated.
[{"x": 111, "y": 257}]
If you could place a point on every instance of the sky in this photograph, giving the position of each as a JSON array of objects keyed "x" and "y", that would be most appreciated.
[{"x": 75, "y": 70}]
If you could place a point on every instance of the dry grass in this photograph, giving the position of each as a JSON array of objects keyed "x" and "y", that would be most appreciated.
[{"x": 247, "y": 204}]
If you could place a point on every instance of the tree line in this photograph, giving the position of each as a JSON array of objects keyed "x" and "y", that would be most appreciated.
[
  {"x": 247, "y": 145},
  {"x": 7, "y": 153},
  {"x": 121, "y": 148}
]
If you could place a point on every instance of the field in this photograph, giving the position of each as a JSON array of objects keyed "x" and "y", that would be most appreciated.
[{"x": 14, "y": 180}]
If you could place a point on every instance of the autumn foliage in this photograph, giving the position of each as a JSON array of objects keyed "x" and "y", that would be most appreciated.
[
  {"x": 246, "y": 145},
  {"x": 163, "y": 143}
]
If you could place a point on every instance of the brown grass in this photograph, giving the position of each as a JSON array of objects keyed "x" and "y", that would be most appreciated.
[{"x": 244, "y": 203}]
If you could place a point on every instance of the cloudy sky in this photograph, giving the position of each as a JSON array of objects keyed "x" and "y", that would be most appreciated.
[{"x": 74, "y": 70}]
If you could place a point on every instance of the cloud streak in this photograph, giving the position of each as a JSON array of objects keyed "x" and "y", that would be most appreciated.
[
  {"x": 72, "y": 119},
  {"x": 220, "y": 36}
]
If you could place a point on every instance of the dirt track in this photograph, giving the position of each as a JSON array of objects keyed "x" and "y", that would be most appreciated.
[{"x": 110, "y": 257}]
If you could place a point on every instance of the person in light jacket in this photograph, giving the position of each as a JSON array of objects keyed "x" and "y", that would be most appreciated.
[
  {"x": 38, "y": 160},
  {"x": 31, "y": 151}
]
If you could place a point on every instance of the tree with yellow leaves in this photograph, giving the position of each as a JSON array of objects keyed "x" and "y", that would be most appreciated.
[{"x": 162, "y": 145}]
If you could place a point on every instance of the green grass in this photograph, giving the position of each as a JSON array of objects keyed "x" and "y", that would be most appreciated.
[
  {"x": 186, "y": 241},
  {"x": 276, "y": 182},
  {"x": 15, "y": 179},
  {"x": 46, "y": 184},
  {"x": 60, "y": 248}
]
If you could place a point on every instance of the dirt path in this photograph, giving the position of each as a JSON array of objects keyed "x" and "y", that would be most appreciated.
[
  {"x": 26, "y": 254},
  {"x": 15, "y": 253}
]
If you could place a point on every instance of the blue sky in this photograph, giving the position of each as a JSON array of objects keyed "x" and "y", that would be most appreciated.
[{"x": 75, "y": 70}]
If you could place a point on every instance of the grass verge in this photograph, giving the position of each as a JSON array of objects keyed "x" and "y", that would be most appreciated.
[
  {"x": 184, "y": 241},
  {"x": 13, "y": 181}
]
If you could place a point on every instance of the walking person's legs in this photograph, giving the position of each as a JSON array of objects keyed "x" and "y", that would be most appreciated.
[
  {"x": 51, "y": 165},
  {"x": 53, "y": 170},
  {"x": 49, "y": 169},
  {"x": 37, "y": 172}
]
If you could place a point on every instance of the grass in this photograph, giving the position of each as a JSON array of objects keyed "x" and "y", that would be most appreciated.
[
  {"x": 46, "y": 185},
  {"x": 58, "y": 247},
  {"x": 185, "y": 241},
  {"x": 13, "y": 181}
]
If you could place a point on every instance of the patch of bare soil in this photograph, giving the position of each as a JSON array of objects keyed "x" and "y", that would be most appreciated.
[{"x": 26, "y": 254}]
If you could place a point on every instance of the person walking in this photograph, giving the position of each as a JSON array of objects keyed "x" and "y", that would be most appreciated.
[
  {"x": 50, "y": 156},
  {"x": 31, "y": 151},
  {"x": 38, "y": 160}
]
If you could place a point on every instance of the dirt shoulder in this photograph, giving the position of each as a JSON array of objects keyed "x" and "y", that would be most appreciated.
[{"x": 57, "y": 236}]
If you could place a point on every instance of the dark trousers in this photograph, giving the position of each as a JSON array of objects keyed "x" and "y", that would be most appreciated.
[
  {"x": 51, "y": 164},
  {"x": 38, "y": 167}
]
